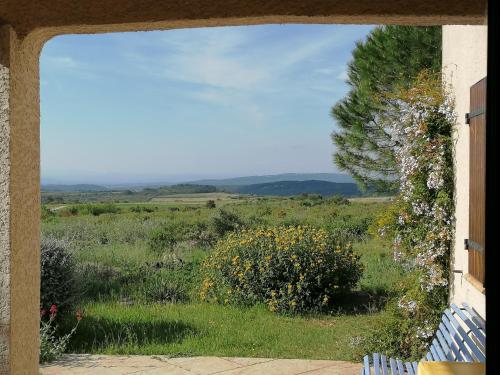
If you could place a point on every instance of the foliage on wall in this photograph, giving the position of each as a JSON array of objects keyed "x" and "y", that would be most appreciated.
[{"x": 421, "y": 222}]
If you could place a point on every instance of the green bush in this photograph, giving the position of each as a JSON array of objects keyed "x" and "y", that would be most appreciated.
[
  {"x": 348, "y": 229},
  {"x": 291, "y": 269},
  {"x": 339, "y": 200},
  {"x": 210, "y": 204},
  {"x": 107, "y": 208},
  {"x": 138, "y": 209},
  {"x": 91, "y": 209},
  {"x": 47, "y": 213},
  {"x": 225, "y": 222},
  {"x": 201, "y": 234},
  {"x": 163, "y": 239},
  {"x": 164, "y": 286},
  {"x": 58, "y": 282}
]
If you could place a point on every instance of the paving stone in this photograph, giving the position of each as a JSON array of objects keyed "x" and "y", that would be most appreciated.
[
  {"x": 85, "y": 364},
  {"x": 204, "y": 365}
]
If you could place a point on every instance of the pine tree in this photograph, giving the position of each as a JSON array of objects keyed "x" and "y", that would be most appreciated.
[{"x": 391, "y": 56}]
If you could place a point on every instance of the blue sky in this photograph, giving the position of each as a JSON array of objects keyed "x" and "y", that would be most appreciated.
[{"x": 190, "y": 103}]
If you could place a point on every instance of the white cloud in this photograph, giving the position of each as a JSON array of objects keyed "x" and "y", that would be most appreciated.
[
  {"x": 65, "y": 62},
  {"x": 229, "y": 59},
  {"x": 343, "y": 76}
]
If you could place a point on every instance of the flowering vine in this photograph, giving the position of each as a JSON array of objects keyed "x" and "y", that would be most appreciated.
[{"x": 421, "y": 121}]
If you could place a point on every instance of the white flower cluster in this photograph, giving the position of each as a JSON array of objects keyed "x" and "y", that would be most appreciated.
[
  {"x": 409, "y": 306},
  {"x": 426, "y": 331},
  {"x": 425, "y": 224}
]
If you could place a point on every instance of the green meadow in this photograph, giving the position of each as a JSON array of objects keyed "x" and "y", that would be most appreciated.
[{"x": 137, "y": 277}]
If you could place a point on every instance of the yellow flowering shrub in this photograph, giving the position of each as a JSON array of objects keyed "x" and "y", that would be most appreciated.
[{"x": 290, "y": 269}]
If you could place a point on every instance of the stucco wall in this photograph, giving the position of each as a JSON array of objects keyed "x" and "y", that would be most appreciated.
[
  {"x": 19, "y": 202},
  {"x": 26, "y": 25},
  {"x": 4, "y": 201},
  {"x": 464, "y": 63}
]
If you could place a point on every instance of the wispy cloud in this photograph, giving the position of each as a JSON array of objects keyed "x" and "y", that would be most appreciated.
[{"x": 242, "y": 99}]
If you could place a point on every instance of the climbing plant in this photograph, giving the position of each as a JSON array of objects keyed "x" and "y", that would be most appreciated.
[{"x": 420, "y": 223}]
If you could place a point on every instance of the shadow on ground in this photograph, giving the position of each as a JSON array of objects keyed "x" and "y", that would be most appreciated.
[
  {"x": 361, "y": 302},
  {"x": 99, "y": 333}
]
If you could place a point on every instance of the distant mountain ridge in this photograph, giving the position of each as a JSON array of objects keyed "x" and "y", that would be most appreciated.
[
  {"x": 289, "y": 188},
  {"x": 83, "y": 188},
  {"x": 252, "y": 180}
]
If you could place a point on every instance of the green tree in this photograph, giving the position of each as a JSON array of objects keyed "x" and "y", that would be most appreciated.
[{"x": 390, "y": 58}]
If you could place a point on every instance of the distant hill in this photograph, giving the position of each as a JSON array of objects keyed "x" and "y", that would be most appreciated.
[
  {"x": 288, "y": 188},
  {"x": 80, "y": 188},
  {"x": 181, "y": 189},
  {"x": 251, "y": 180}
]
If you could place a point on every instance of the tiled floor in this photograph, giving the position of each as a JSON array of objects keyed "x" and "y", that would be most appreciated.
[{"x": 152, "y": 365}]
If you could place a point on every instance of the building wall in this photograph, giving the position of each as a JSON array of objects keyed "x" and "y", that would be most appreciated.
[{"x": 464, "y": 63}]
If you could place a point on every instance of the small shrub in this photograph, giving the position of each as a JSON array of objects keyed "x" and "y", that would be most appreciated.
[
  {"x": 69, "y": 211},
  {"x": 290, "y": 269},
  {"x": 164, "y": 286},
  {"x": 51, "y": 345},
  {"x": 210, "y": 204},
  {"x": 99, "y": 280},
  {"x": 265, "y": 211},
  {"x": 58, "y": 282},
  {"x": 98, "y": 209},
  {"x": 47, "y": 213},
  {"x": 226, "y": 222},
  {"x": 339, "y": 200},
  {"x": 162, "y": 239},
  {"x": 201, "y": 234},
  {"x": 139, "y": 209},
  {"x": 348, "y": 229}
]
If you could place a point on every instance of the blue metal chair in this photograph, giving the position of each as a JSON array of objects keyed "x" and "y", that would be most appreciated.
[{"x": 461, "y": 337}]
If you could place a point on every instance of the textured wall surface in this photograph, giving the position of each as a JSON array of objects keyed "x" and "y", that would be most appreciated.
[
  {"x": 19, "y": 203},
  {"x": 26, "y": 24},
  {"x": 27, "y": 15},
  {"x": 464, "y": 63},
  {"x": 4, "y": 200}
]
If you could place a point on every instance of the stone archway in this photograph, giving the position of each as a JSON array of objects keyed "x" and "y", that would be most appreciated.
[{"x": 26, "y": 25}]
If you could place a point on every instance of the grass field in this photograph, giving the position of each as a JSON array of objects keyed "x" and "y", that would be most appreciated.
[
  {"x": 123, "y": 313},
  {"x": 197, "y": 198},
  {"x": 215, "y": 330}
]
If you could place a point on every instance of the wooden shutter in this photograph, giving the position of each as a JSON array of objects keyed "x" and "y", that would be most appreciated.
[{"x": 477, "y": 183}]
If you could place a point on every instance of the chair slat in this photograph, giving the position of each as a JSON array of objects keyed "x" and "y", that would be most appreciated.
[
  {"x": 401, "y": 369},
  {"x": 458, "y": 355},
  {"x": 376, "y": 364},
  {"x": 439, "y": 349},
  {"x": 429, "y": 356},
  {"x": 475, "y": 316},
  {"x": 434, "y": 353},
  {"x": 366, "y": 368},
  {"x": 473, "y": 327},
  {"x": 444, "y": 346},
  {"x": 394, "y": 370},
  {"x": 472, "y": 346},
  {"x": 409, "y": 368},
  {"x": 454, "y": 334},
  {"x": 383, "y": 363},
  {"x": 415, "y": 367}
]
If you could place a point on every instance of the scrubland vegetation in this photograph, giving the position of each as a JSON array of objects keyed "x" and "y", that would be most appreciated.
[{"x": 288, "y": 277}]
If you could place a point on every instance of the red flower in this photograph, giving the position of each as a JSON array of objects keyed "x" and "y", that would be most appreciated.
[
  {"x": 79, "y": 315},
  {"x": 53, "y": 310}
]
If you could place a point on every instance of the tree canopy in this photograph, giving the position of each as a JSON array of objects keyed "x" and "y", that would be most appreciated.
[{"x": 391, "y": 57}]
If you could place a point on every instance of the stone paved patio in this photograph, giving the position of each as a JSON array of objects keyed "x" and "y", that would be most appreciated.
[{"x": 152, "y": 365}]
